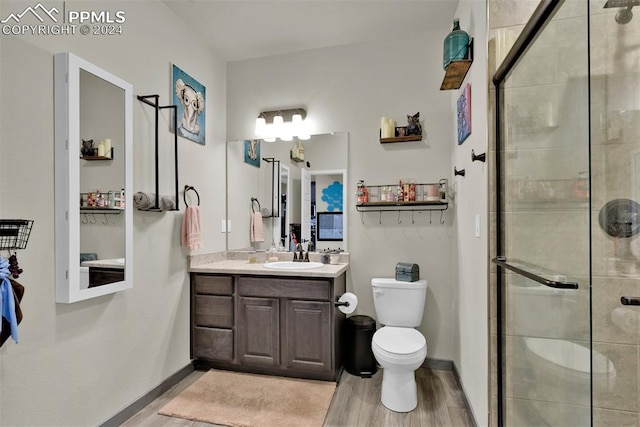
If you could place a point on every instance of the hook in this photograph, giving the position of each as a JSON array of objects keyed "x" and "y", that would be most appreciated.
[
  {"x": 362, "y": 217},
  {"x": 430, "y": 212},
  {"x": 460, "y": 172},
  {"x": 399, "y": 222},
  {"x": 94, "y": 219},
  {"x": 480, "y": 157},
  {"x": 441, "y": 217},
  {"x": 380, "y": 217},
  {"x": 84, "y": 219},
  {"x": 106, "y": 220},
  {"x": 412, "y": 220}
]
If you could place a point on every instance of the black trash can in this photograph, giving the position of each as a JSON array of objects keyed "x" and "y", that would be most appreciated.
[{"x": 359, "y": 359}]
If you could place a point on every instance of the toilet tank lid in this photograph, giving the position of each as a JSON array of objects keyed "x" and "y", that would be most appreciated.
[{"x": 379, "y": 282}]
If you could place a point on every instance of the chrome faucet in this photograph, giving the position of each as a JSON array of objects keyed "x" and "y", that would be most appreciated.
[{"x": 300, "y": 255}]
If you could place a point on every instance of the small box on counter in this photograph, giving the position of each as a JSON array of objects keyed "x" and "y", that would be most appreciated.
[{"x": 407, "y": 272}]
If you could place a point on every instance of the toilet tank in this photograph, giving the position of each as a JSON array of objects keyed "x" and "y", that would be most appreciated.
[{"x": 399, "y": 303}]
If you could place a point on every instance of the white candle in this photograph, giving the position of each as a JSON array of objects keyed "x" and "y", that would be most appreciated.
[
  {"x": 101, "y": 149},
  {"x": 107, "y": 147},
  {"x": 383, "y": 127}
]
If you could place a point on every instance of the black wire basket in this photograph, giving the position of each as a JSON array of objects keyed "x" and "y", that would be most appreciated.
[{"x": 14, "y": 233}]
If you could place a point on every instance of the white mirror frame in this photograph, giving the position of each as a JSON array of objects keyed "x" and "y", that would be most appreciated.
[{"x": 67, "y": 68}]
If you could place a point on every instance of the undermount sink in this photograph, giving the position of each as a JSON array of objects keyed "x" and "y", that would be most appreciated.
[{"x": 291, "y": 265}]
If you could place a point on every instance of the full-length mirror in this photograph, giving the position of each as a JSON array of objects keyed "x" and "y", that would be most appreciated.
[
  {"x": 282, "y": 193},
  {"x": 93, "y": 111}
]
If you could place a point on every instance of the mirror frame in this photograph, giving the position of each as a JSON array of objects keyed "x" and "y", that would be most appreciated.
[{"x": 67, "y": 68}]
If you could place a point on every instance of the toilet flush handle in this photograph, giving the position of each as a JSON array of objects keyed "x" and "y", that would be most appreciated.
[{"x": 378, "y": 291}]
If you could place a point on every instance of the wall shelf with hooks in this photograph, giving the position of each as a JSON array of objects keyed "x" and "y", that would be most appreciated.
[{"x": 424, "y": 201}]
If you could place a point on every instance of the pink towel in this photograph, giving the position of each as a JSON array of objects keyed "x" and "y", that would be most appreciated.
[
  {"x": 191, "y": 228},
  {"x": 257, "y": 228}
]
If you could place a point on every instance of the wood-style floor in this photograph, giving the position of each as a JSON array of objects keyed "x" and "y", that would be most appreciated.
[{"x": 355, "y": 403}]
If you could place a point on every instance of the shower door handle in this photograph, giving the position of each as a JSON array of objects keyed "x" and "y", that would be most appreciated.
[
  {"x": 630, "y": 300},
  {"x": 556, "y": 284}
]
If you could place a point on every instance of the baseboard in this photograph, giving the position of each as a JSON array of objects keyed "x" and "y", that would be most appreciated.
[
  {"x": 439, "y": 364},
  {"x": 456, "y": 374},
  {"x": 147, "y": 398}
]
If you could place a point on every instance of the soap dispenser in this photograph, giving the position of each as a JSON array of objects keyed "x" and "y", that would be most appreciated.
[
  {"x": 273, "y": 253},
  {"x": 455, "y": 45}
]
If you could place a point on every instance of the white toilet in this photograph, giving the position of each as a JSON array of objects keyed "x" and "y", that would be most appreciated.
[{"x": 398, "y": 347}]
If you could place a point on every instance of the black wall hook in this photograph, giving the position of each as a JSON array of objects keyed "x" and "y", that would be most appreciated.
[
  {"x": 458, "y": 172},
  {"x": 481, "y": 157},
  {"x": 184, "y": 196}
]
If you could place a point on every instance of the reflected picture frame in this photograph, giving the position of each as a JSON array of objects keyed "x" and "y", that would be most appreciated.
[{"x": 252, "y": 152}]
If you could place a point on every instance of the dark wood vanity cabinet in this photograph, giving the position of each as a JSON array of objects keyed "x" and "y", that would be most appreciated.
[{"x": 274, "y": 325}]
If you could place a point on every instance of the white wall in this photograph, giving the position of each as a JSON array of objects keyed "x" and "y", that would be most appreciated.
[
  {"x": 470, "y": 299},
  {"x": 80, "y": 364},
  {"x": 348, "y": 88}
]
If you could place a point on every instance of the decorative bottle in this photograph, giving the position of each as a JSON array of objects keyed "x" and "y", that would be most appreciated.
[{"x": 455, "y": 45}]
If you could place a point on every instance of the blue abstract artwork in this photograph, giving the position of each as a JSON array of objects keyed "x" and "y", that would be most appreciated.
[
  {"x": 332, "y": 196},
  {"x": 464, "y": 114}
]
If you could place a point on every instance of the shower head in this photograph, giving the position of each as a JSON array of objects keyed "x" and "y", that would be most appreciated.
[{"x": 623, "y": 16}]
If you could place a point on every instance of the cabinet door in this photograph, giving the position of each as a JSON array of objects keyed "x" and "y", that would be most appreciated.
[
  {"x": 309, "y": 335},
  {"x": 259, "y": 331}
]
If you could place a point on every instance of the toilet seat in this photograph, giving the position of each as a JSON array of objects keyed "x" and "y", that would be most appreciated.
[{"x": 394, "y": 343}]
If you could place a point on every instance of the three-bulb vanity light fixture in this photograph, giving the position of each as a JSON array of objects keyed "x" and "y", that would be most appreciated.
[{"x": 283, "y": 124}]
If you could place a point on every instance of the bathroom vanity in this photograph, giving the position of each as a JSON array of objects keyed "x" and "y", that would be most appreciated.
[{"x": 246, "y": 317}]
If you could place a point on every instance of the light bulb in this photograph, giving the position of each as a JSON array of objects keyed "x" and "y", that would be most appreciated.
[
  {"x": 278, "y": 123},
  {"x": 296, "y": 123},
  {"x": 303, "y": 132},
  {"x": 261, "y": 125}
]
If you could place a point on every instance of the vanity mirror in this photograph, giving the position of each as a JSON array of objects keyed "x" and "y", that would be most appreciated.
[
  {"x": 291, "y": 192},
  {"x": 93, "y": 157}
]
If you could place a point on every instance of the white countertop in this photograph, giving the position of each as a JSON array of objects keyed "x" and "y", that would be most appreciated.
[
  {"x": 244, "y": 267},
  {"x": 116, "y": 263}
]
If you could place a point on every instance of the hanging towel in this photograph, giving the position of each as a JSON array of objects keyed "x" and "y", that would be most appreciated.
[
  {"x": 191, "y": 228},
  {"x": 18, "y": 292},
  {"x": 257, "y": 228},
  {"x": 7, "y": 301}
]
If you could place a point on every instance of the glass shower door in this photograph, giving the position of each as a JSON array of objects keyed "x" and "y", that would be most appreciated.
[
  {"x": 615, "y": 193},
  {"x": 544, "y": 228}
]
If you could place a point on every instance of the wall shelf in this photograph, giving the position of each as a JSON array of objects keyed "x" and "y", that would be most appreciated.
[
  {"x": 401, "y": 139},
  {"x": 93, "y": 158},
  {"x": 424, "y": 204},
  {"x": 98, "y": 209},
  {"x": 457, "y": 70}
]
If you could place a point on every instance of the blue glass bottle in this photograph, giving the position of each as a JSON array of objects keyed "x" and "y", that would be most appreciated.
[{"x": 455, "y": 45}]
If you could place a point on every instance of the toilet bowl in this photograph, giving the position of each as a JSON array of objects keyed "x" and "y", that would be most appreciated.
[
  {"x": 561, "y": 365},
  {"x": 398, "y": 347},
  {"x": 399, "y": 351}
]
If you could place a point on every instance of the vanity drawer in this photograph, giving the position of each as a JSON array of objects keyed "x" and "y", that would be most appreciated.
[
  {"x": 213, "y": 311},
  {"x": 213, "y": 344},
  {"x": 279, "y": 287},
  {"x": 218, "y": 285}
]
